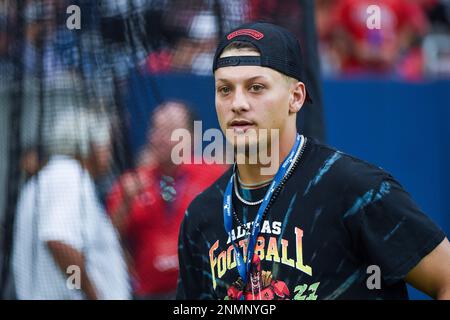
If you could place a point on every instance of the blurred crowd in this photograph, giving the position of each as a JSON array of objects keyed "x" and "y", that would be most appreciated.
[
  {"x": 411, "y": 40},
  {"x": 408, "y": 38}
]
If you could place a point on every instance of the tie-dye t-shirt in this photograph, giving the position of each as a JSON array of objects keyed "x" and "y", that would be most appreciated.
[{"x": 340, "y": 228}]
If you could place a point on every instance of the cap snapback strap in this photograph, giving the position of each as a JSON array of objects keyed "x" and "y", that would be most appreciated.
[{"x": 238, "y": 61}]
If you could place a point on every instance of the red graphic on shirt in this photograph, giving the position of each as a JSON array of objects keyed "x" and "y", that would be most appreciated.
[
  {"x": 246, "y": 32},
  {"x": 260, "y": 286}
]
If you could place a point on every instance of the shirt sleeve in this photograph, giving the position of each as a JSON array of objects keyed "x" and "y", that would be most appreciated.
[
  {"x": 395, "y": 234},
  {"x": 60, "y": 209},
  {"x": 116, "y": 198}
]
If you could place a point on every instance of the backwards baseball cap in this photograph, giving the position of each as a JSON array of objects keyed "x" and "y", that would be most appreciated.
[{"x": 278, "y": 48}]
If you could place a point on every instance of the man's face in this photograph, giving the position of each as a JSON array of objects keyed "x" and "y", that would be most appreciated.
[
  {"x": 164, "y": 122},
  {"x": 251, "y": 97}
]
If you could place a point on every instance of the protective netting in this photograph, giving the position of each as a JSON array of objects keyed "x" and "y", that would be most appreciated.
[
  {"x": 85, "y": 137},
  {"x": 90, "y": 93}
]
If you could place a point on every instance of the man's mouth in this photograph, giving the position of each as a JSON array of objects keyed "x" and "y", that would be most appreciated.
[{"x": 241, "y": 125}]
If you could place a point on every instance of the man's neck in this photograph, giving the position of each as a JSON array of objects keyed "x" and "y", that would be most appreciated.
[{"x": 252, "y": 173}]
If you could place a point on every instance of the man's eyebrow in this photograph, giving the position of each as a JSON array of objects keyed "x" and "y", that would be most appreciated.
[
  {"x": 256, "y": 78},
  {"x": 246, "y": 80},
  {"x": 222, "y": 80}
]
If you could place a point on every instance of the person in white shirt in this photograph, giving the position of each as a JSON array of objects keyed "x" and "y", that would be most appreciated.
[{"x": 65, "y": 246}]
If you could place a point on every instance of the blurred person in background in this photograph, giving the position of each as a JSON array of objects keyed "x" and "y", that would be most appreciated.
[
  {"x": 193, "y": 51},
  {"x": 436, "y": 45},
  {"x": 62, "y": 232},
  {"x": 49, "y": 46},
  {"x": 329, "y": 57},
  {"x": 393, "y": 48},
  {"x": 148, "y": 203},
  {"x": 188, "y": 33}
]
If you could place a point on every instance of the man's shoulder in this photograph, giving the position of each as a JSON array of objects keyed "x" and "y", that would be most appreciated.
[
  {"x": 345, "y": 168},
  {"x": 61, "y": 174},
  {"x": 58, "y": 164}
]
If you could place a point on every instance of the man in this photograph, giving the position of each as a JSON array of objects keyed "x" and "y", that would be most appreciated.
[
  {"x": 316, "y": 227},
  {"x": 148, "y": 204},
  {"x": 65, "y": 246}
]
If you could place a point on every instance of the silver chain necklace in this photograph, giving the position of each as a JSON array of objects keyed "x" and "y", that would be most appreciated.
[
  {"x": 236, "y": 191},
  {"x": 254, "y": 203},
  {"x": 289, "y": 172}
]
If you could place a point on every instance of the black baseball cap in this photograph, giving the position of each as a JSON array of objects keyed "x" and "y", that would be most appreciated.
[{"x": 278, "y": 47}]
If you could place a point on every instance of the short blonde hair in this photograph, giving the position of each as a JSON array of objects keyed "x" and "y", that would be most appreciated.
[{"x": 241, "y": 45}]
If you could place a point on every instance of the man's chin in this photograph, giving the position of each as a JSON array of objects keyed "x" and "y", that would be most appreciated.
[{"x": 247, "y": 148}]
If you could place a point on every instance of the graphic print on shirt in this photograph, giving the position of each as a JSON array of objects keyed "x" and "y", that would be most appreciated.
[{"x": 262, "y": 284}]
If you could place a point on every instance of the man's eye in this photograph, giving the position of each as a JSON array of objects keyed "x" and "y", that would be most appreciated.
[
  {"x": 224, "y": 90},
  {"x": 256, "y": 87}
]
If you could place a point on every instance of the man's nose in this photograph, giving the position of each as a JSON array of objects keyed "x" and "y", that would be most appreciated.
[{"x": 240, "y": 102}]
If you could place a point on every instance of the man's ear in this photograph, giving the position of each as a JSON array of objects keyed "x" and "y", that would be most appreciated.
[{"x": 297, "y": 97}]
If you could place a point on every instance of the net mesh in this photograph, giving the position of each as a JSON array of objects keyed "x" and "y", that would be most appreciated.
[{"x": 84, "y": 123}]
